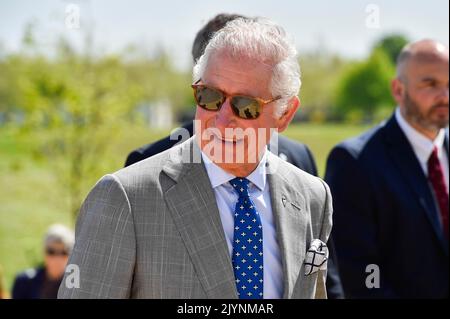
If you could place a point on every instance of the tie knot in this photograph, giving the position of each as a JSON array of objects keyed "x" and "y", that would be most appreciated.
[{"x": 240, "y": 185}]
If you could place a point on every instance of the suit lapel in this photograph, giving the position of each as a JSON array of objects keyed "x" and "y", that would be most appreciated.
[
  {"x": 288, "y": 208},
  {"x": 406, "y": 161},
  {"x": 191, "y": 200},
  {"x": 192, "y": 203}
]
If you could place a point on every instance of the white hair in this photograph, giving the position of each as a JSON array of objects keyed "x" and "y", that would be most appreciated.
[
  {"x": 58, "y": 233},
  {"x": 261, "y": 40}
]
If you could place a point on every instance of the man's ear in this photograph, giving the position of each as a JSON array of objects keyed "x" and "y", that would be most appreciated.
[
  {"x": 397, "y": 90},
  {"x": 288, "y": 115}
]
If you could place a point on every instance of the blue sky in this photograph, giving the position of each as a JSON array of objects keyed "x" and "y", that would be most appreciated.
[{"x": 338, "y": 26}]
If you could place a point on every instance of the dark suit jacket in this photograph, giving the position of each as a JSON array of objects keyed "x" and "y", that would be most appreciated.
[
  {"x": 295, "y": 153},
  {"x": 385, "y": 214},
  {"x": 30, "y": 283}
]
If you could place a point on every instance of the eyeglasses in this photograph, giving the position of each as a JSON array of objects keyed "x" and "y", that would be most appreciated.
[
  {"x": 212, "y": 99},
  {"x": 56, "y": 252}
]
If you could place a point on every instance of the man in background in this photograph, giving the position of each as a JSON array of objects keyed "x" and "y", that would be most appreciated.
[{"x": 390, "y": 188}]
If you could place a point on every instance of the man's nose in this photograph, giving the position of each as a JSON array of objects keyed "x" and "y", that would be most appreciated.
[
  {"x": 444, "y": 95},
  {"x": 225, "y": 116}
]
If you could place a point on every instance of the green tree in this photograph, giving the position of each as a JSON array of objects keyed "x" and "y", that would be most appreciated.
[
  {"x": 76, "y": 103},
  {"x": 320, "y": 72},
  {"x": 364, "y": 89},
  {"x": 392, "y": 44}
]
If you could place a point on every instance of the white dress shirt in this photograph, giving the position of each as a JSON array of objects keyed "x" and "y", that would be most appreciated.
[
  {"x": 227, "y": 198},
  {"x": 423, "y": 146}
]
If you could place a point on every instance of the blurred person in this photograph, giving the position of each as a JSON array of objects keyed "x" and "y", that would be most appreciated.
[
  {"x": 174, "y": 225},
  {"x": 43, "y": 282},
  {"x": 390, "y": 188},
  {"x": 298, "y": 154}
]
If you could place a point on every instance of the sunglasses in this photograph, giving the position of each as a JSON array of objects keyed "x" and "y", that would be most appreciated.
[
  {"x": 56, "y": 252},
  {"x": 244, "y": 107}
]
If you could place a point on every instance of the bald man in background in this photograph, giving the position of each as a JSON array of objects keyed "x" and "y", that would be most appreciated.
[{"x": 390, "y": 188}]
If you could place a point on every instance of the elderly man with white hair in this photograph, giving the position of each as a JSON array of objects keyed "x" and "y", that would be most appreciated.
[
  {"x": 217, "y": 216},
  {"x": 43, "y": 282}
]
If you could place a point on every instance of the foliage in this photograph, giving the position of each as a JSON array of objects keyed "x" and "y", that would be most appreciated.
[
  {"x": 78, "y": 102},
  {"x": 81, "y": 103},
  {"x": 365, "y": 88},
  {"x": 392, "y": 44},
  {"x": 321, "y": 72}
]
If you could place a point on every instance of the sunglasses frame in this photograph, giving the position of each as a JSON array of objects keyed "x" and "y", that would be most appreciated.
[
  {"x": 55, "y": 252},
  {"x": 261, "y": 102}
]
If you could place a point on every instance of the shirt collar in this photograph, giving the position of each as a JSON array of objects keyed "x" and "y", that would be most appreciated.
[
  {"x": 218, "y": 176},
  {"x": 423, "y": 147}
]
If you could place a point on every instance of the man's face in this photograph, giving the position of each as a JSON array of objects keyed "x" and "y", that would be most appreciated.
[
  {"x": 56, "y": 257},
  {"x": 425, "y": 94},
  {"x": 242, "y": 77}
]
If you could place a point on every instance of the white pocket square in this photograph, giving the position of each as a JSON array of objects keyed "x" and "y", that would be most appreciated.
[{"x": 316, "y": 257}]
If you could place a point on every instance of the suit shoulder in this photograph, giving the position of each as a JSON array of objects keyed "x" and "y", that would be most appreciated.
[
  {"x": 286, "y": 142},
  {"x": 297, "y": 154},
  {"x": 29, "y": 274},
  {"x": 160, "y": 145},
  {"x": 147, "y": 151},
  {"x": 297, "y": 151},
  {"x": 357, "y": 145},
  {"x": 145, "y": 168}
]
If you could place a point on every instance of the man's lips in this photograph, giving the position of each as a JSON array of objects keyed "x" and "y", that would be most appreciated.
[
  {"x": 227, "y": 140},
  {"x": 440, "y": 108}
]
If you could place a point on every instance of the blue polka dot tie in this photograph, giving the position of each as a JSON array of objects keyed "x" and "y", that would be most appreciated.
[{"x": 247, "y": 259}]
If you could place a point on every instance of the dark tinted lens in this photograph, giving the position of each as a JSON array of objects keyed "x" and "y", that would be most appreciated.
[
  {"x": 56, "y": 252},
  {"x": 245, "y": 107},
  {"x": 208, "y": 98}
]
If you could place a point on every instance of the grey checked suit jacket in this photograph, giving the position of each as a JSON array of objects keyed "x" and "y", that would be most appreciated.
[{"x": 153, "y": 230}]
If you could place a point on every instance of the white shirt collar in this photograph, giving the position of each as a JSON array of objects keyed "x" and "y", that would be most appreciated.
[
  {"x": 218, "y": 176},
  {"x": 423, "y": 147}
]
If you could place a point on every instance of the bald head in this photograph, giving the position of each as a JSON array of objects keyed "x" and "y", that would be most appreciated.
[
  {"x": 420, "y": 52},
  {"x": 421, "y": 86}
]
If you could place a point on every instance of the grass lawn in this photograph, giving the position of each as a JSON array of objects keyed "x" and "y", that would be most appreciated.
[{"x": 30, "y": 201}]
